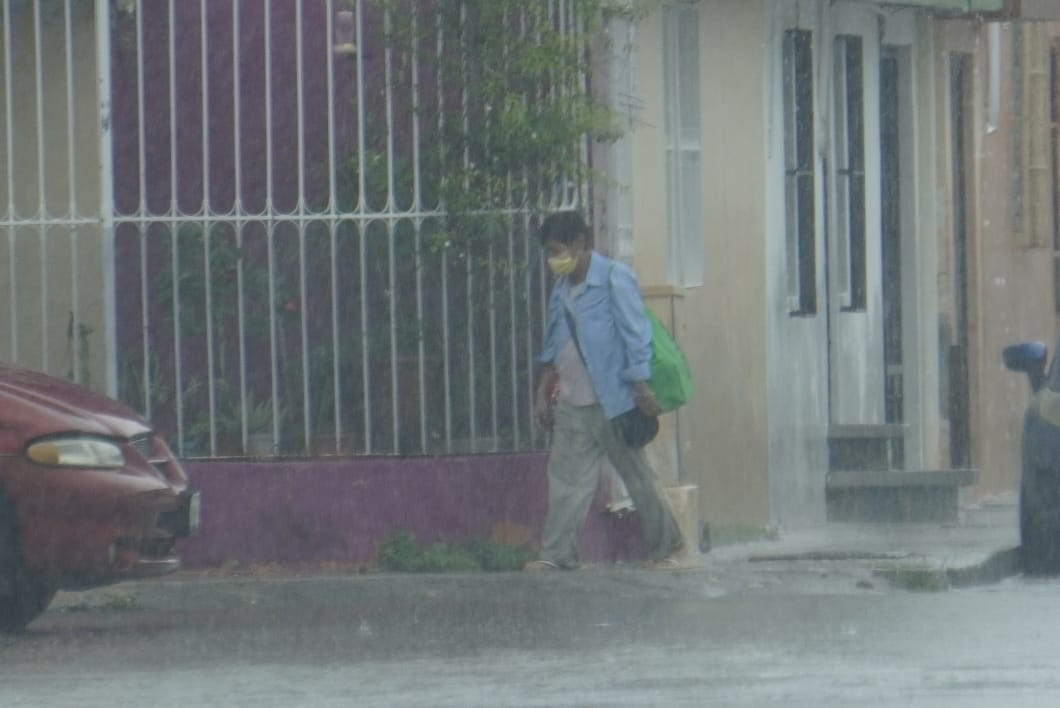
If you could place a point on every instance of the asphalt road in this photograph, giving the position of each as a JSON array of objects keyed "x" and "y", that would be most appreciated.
[{"x": 780, "y": 634}]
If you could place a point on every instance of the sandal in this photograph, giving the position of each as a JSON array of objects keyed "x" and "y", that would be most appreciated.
[
  {"x": 538, "y": 566},
  {"x": 674, "y": 562}
]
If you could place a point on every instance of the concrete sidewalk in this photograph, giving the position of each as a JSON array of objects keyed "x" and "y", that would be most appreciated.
[{"x": 981, "y": 547}]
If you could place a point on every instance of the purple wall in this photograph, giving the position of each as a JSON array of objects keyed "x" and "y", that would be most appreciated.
[
  {"x": 159, "y": 87},
  {"x": 315, "y": 511},
  {"x": 192, "y": 133}
]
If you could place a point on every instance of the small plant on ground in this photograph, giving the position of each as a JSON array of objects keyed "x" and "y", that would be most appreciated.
[
  {"x": 917, "y": 578},
  {"x": 495, "y": 556},
  {"x": 402, "y": 553}
]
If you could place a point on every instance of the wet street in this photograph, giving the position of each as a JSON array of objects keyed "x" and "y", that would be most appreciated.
[{"x": 783, "y": 635}]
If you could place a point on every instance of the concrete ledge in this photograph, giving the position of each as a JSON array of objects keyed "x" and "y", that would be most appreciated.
[
  {"x": 895, "y": 495},
  {"x": 865, "y": 446},
  {"x": 892, "y": 504},
  {"x": 997, "y": 566},
  {"x": 994, "y": 568},
  {"x": 660, "y": 291},
  {"x": 866, "y": 430},
  {"x": 860, "y": 479}
]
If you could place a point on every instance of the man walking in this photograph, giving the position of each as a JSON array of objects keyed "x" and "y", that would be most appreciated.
[{"x": 597, "y": 353}]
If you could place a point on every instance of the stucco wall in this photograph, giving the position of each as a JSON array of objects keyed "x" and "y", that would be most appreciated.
[
  {"x": 729, "y": 310},
  {"x": 48, "y": 261},
  {"x": 721, "y": 324},
  {"x": 1011, "y": 293},
  {"x": 339, "y": 510}
]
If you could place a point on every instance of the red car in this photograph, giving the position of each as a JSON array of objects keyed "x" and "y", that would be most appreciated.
[{"x": 89, "y": 494}]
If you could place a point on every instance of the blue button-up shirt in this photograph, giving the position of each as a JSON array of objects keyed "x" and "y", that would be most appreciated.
[{"x": 614, "y": 332}]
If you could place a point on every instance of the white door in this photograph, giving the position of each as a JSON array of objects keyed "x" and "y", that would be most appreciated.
[{"x": 850, "y": 101}]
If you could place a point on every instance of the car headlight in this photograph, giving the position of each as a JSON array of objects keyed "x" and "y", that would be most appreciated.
[{"x": 76, "y": 452}]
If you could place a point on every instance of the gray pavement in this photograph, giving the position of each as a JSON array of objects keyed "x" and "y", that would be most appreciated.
[
  {"x": 809, "y": 619},
  {"x": 980, "y": 547},
  {"x": 805, "y": 620}
]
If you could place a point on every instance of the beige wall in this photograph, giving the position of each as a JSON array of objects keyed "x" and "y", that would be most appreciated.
[
  {"x": 1011, "y": 281},
  {"x": 49, "y": 260},
  {"x": 723, "y": 431},
  {"x": 727, "y": 326}
]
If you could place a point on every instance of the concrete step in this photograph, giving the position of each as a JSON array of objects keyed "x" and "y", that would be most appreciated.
[{"x": 895, "y": 495}]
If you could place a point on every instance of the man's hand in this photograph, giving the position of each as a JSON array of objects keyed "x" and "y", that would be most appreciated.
[
  {"x": 543, "y": 413},
  {"x": 543, "y": 400},
  {"x": 645, "y": 399}
]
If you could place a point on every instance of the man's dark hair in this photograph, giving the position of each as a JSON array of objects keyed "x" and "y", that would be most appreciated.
[{"x": 563, "y": 227}]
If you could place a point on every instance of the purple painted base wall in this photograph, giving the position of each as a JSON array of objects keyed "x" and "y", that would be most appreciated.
[{"x": 308, "y": 511}]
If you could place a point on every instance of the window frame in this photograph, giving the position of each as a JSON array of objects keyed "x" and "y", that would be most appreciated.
[
  {"x": 683, "y": 144},
  {"x": 849, "y": 174},
  {"x": 800, "y": 170}
]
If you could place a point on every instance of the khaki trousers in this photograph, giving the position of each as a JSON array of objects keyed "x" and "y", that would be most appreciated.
[{"x": 582, "y": 435}]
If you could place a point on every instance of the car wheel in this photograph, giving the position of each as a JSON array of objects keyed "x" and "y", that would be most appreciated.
[{"x": 23, "y": 595}]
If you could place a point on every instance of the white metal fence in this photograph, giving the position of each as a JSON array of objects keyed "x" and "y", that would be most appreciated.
[
  {"x": 51, "y": 245},
  {"x": 237, "y": 218}
]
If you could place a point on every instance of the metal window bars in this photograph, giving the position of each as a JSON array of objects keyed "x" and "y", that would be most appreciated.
[{"x": 259, "y": 256}]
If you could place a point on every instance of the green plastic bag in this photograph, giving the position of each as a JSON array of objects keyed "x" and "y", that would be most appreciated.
[{"x": 671, "y": 380}]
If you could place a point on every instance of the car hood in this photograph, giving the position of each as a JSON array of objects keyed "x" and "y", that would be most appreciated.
[{"x": 34, "y": 404}]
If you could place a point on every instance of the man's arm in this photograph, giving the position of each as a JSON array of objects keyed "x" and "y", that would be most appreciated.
[
  {"x": 633, "y": 325},
  {"x": 635, "y": 329},
  {"x": 548, "y": 373},
  {"x": 551, "y": 338}
]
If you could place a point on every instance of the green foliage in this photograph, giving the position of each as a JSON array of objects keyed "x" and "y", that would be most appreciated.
[
  {"x": 402, "y": 553},
  {"x": 446, "y": 558},
  {"x": 219, "y": 265},
  {"x": 495, "y": 556},
  {"x": 134, "y": 387},
  {"x": 917, "y": 578},
  {"x": 519, "y": 110},
  {"x": 228, "y": 418},
  {"x": 202, "y": 276}
]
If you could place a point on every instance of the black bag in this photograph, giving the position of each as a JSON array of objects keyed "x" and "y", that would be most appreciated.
[{"x": 637, "y": 428}]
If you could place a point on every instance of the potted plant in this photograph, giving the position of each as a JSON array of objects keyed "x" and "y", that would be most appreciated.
[{"x": 228, "y": 425}]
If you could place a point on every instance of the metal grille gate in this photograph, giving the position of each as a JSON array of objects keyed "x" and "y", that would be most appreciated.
[
  {"x": 52, "y": 245},
  {"x": 243, "y": 238}
]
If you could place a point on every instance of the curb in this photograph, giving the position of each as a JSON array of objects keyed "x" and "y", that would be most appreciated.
[
  {"x": 924, "y": 578},
  {"x": 997, "y": 566}
]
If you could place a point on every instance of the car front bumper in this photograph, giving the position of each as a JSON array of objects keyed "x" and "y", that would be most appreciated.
[{"x": 84, "y": 528}]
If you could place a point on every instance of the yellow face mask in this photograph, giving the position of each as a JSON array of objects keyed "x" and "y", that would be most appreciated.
[{"x": 563, "y": 265}]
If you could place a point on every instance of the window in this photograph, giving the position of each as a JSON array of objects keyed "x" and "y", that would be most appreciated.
[
  {"x": 799, "y": 172},
  {"x": 683, "y": 172},
  {"x": 850, "y": 170}
]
